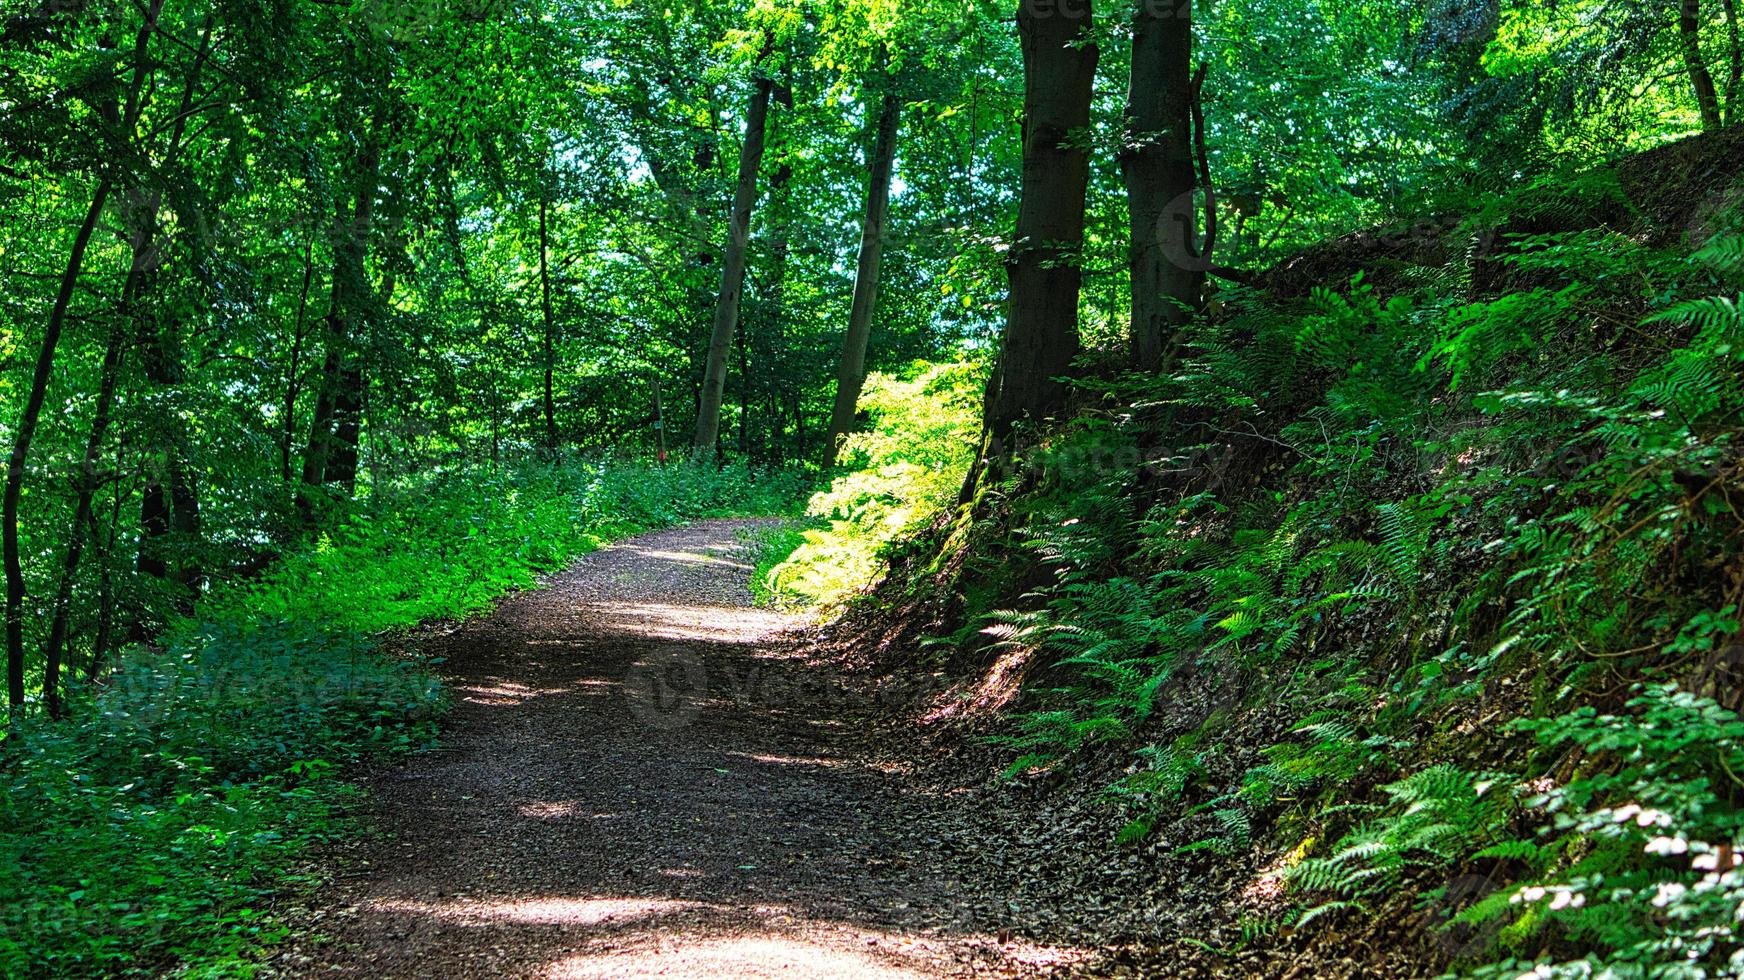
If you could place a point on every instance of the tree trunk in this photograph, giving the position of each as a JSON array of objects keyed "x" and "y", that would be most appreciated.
[
  {"x": 1156, "y": 161},
  {"x": 84, "y": 525},
  {"x": 1689, "y": 24},
  {"x": 1734, "y": 77},
  {"x": 105, "y": 591},
  {"x": 851, "y": 371},
  {"x": 659, "y": 425},
  {"x": 347, "y": 429},
  {"x": 1041, "y": 334},
  {"x": 550, "y": 338},
  {"x": 340, "y": 377},
  {"x": 744, "y": 358},
  {"x": 708, "y": 416},
  {"x": 294, "y": 375},
  {"x": 776, "y": 372},
  {"x": 170, "y": 509},
  {"x": 23, "y": 434}
]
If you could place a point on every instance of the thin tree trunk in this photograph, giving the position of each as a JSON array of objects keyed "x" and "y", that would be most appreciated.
[
  {"x": 851, "y": 370},
  {"x": 1156, "y": 161},
  {"x": 549, "y": 340},
  {"x": 1041, "y": 334},
  {"x": 708, "y": 416},
  {"x": 1689, "y": 24},
  {"x": 105, "y": 591},
  {"x": 23, "y": 434},
  {"x": 744, "y": 396},
  {"x": 1735, "y": 77},
  {"x": 351, "y": 403},
  {"x": 659, "y": 425},
  {"x": 169, "y": 505},
  {"x": 293, "y": 377},
  {"x": 84, "y": 526},
  {"x": 483, "y": 311}
]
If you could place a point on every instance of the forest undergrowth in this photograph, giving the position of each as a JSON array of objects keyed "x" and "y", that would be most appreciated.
[{"x": 1410, "y": 601}]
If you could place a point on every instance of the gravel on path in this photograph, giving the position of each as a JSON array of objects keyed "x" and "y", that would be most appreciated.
[{"x": 645, "y": 775}]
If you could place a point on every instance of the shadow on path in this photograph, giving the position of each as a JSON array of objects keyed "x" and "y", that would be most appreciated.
[{"x": 641, "y": 778}]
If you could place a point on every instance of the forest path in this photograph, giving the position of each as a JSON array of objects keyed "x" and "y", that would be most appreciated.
[{"x": 643, "y": 776}]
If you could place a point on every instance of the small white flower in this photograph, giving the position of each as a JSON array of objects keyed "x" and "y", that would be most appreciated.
[
  {"x": 1668, "y": 892},
  {"x": 1532, "y": 893}
]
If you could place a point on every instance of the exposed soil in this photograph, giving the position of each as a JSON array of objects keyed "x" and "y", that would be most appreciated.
[{"x": 644, "y": 775}]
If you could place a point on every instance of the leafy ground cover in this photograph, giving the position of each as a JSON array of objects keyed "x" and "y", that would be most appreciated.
[{"x": 1409, "y": 600}]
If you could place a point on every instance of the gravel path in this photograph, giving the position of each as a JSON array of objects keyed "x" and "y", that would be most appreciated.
[{"x": 643, "y": 776}]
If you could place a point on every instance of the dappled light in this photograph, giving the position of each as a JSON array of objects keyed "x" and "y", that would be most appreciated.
[
  {"x": 665, "y": 798},
  {"x": 704, "y": 622},
  {"x": 731, "y": 958},
  {"x": 872, "y": 488}
]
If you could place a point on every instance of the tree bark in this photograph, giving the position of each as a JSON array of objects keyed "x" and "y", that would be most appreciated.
[
  {"x": 23, "y": 434},
  {"x": 1156, "y": 161},
  {"x": 105, "y": 591},
  {"x": 1689, "y": 24},
  {"x": 1041, "y": 334},
  {"x": 851, "y": 370},
  {"x": 708, "y": 416},
  {"x": 348, "y": 408}
]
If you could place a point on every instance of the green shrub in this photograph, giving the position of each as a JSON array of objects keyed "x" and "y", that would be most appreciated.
[
  {"x": 904, "y": 468},
  {"x": 1407, "y": 520}
]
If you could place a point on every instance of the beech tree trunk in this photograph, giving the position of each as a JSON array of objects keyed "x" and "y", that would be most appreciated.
[
  {"x": 851, "y": 371},
  {"x": 714, "y": 379},
  {"x": 1041, "y": 333},
  {"x": 348, "y": 407},
  {"x": 1156, "y": 161},
  {"x": 1689, "y": 24},
  {"x": 780, "y": 251}
]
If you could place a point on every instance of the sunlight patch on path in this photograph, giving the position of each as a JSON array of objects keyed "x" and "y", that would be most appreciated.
[
  {"x": 752, "y": 956},
  {"x": 716, "y": 624}
]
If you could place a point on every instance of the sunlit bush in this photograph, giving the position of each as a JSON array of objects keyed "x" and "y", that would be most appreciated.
[{"x": 906, "y": 465}]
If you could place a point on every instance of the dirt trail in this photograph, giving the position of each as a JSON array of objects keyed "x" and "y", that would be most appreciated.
[{"x": 643, "y": 777}]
